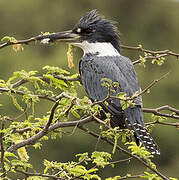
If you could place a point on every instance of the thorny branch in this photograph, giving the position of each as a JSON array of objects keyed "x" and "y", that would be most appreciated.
[
  {"x": 54, "y": 99},
  {"x": 86, "y": 120}
]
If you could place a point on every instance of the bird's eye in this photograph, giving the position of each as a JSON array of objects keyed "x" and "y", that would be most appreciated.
[
  {"x": 78, "y": 30},
  {"x": 84, "y": 31}
]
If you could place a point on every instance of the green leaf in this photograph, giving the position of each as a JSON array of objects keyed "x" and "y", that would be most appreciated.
[
  {"x": 54, "y": 70},
  {"x": 121, "y": 95},
  {"x": 151, "y": 176},
  {"x": 142, "y": 61},
  {"x": 9, "y": 154},
  {"x": 101, "y": 159},
  {"x": 8, "y": 38},
  {"x": 75, "y": 114},
  {"x": 83, "y": 157}
]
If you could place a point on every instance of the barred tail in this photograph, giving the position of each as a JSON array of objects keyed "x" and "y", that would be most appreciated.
[{"x": 135, "y": 122}]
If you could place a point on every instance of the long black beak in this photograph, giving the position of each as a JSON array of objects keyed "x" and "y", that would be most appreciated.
[{"x": 66, "y": 36}]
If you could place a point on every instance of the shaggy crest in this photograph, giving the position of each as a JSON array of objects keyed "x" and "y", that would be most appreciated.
[
  {"x": 93, "y": 20},
  {"x": 106, "y": 30}
]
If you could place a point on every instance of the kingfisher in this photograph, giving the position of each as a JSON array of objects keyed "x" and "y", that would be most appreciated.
[{"x": 99, "y": 39}]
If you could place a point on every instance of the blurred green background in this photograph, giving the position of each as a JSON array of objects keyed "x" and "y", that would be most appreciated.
[{"x": 152, "y": 23}]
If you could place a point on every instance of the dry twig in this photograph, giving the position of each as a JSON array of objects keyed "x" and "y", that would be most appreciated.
[
  {"x": 157, "y": 111},
  {"x": 2, "y": 149},
  {"x": 28, "y": 174},
  {"x": 139, "y": 48}
]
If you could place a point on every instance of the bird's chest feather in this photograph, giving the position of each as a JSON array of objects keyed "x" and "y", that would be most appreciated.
[
  {"x": 97, "y": 69},
  {"x": 92, "y": 72},
  {"x": 91, "y": 66}
]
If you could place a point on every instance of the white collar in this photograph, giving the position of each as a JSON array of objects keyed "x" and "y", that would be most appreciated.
[{"x": 99, "y": 48}]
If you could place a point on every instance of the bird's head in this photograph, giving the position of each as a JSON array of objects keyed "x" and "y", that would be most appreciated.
[{"x": 93, "y": 33}]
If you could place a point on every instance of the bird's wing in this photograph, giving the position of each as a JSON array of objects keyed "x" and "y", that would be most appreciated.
[{"x": 118, "y": 69}]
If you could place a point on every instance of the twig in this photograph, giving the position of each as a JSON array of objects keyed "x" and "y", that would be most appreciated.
[
  {"x": 130, "y": 98},
  {"x": 67, "y": 78},
  {"x": 122, "y": 160},
  {"x": 100, "y": 121},
  {"x": 163, "y": 123},
  {"x": 152, "y": 84},
  {"x": 9, "y": 43},
  {"x": 73, "y": 102},
  {"x": 52, "y": 112},
  {"x": 23, "y": 93},
  {"x": 125, "y": 152},
  {"x": 139, "y": 48},
  {"x": 5, "y": 173},
  {"x": 21, "y": 131},
  {"x": 36, "y": 137},
  {"x": 150, "y": 57},
  {"x": 130, "y": 177},
  {"x": 38, "y": 174},
  {"x": 156, "y": 111},
  {"x": 166, "y": 107},
  {"x": 53, "y": 127},
  {"x": 70, "y": 123},
  {"x": 17, "y": 117},
  {"x": 45, "y": 79},
  {"x": 2, "y": 149}
]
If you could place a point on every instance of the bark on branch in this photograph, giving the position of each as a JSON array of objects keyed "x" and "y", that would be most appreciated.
[
  {"x": 35, "y": 138},
  {"x": 161, "y": 53}
]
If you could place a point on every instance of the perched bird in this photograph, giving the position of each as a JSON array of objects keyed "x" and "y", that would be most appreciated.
[{"x": 99, "y": 39}]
